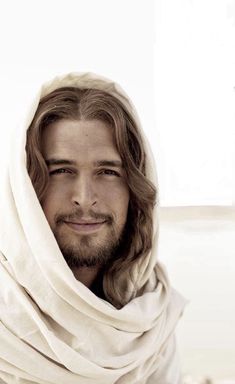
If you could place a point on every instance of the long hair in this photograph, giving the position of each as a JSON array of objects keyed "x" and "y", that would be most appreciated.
[{"x": 72, "y": 103}]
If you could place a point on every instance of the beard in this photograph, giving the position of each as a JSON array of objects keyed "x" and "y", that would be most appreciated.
[{"x": 90, "y": 250}]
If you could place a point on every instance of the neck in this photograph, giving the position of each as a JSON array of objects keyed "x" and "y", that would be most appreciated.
[{"x": 86, "y": 275}]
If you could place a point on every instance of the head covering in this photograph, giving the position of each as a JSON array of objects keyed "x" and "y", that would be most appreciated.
[{"x": 53, "y": 328}]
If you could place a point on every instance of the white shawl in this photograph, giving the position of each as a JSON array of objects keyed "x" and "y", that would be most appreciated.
[{"x": 53, "y": 329}]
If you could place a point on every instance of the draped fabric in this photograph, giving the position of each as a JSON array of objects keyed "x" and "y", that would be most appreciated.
[{"x": 53, "y": 329}]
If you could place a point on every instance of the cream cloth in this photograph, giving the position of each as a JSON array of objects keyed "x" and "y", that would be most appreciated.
[{"x": 53, "y": 328}]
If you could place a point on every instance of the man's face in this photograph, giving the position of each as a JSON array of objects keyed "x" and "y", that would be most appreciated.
[{"x": 87, "y": 200}]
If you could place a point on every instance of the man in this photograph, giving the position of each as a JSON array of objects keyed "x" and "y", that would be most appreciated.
[{"x": 84, "y": 298}]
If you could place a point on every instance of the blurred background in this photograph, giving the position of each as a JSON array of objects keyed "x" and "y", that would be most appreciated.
[{"x": 176, "y": 60}]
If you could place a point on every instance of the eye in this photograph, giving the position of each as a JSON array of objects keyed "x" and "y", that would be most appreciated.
[
  {"x": 109, "y": 172},
  {"x": 60, "y": 170}
]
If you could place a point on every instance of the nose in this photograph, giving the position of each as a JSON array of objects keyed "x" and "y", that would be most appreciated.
[{"x": 84, "y": 192}]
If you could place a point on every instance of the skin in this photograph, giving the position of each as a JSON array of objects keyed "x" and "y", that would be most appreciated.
[{"x": 95, "y": 196}]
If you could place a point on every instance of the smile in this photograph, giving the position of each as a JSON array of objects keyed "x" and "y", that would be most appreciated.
[{"x": 85, "y": 227}]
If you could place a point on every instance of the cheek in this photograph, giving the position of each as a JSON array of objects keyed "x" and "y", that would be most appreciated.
[
  {"x": 51, "y": 203},
  {"x": 117, "y": 200},
  {"x": 55, "y": 192}
]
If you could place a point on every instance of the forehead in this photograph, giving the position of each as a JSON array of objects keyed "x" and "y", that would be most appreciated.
[{"x": 79, "y": 139}]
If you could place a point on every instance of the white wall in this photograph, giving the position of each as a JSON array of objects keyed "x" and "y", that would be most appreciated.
[
  {"x": 197, "y": 245},
  {"x": 195, "y": 101}
]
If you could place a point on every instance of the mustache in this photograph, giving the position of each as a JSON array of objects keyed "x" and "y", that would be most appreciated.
[{"x": 77, "y": 215}]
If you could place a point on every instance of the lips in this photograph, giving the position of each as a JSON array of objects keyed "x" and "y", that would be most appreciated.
[
  {"x": 85, "y": 227},
  {"x": 85, "y": 222}
]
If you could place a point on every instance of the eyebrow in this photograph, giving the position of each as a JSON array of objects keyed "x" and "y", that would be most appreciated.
[{"x": 99, "y": 163}]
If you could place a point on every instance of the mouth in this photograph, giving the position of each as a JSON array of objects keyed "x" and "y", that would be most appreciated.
[{"x": 85, "y": 226}]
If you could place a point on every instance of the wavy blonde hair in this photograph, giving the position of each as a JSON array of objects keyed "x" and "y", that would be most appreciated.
[{"x": 72, "y": 103}]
